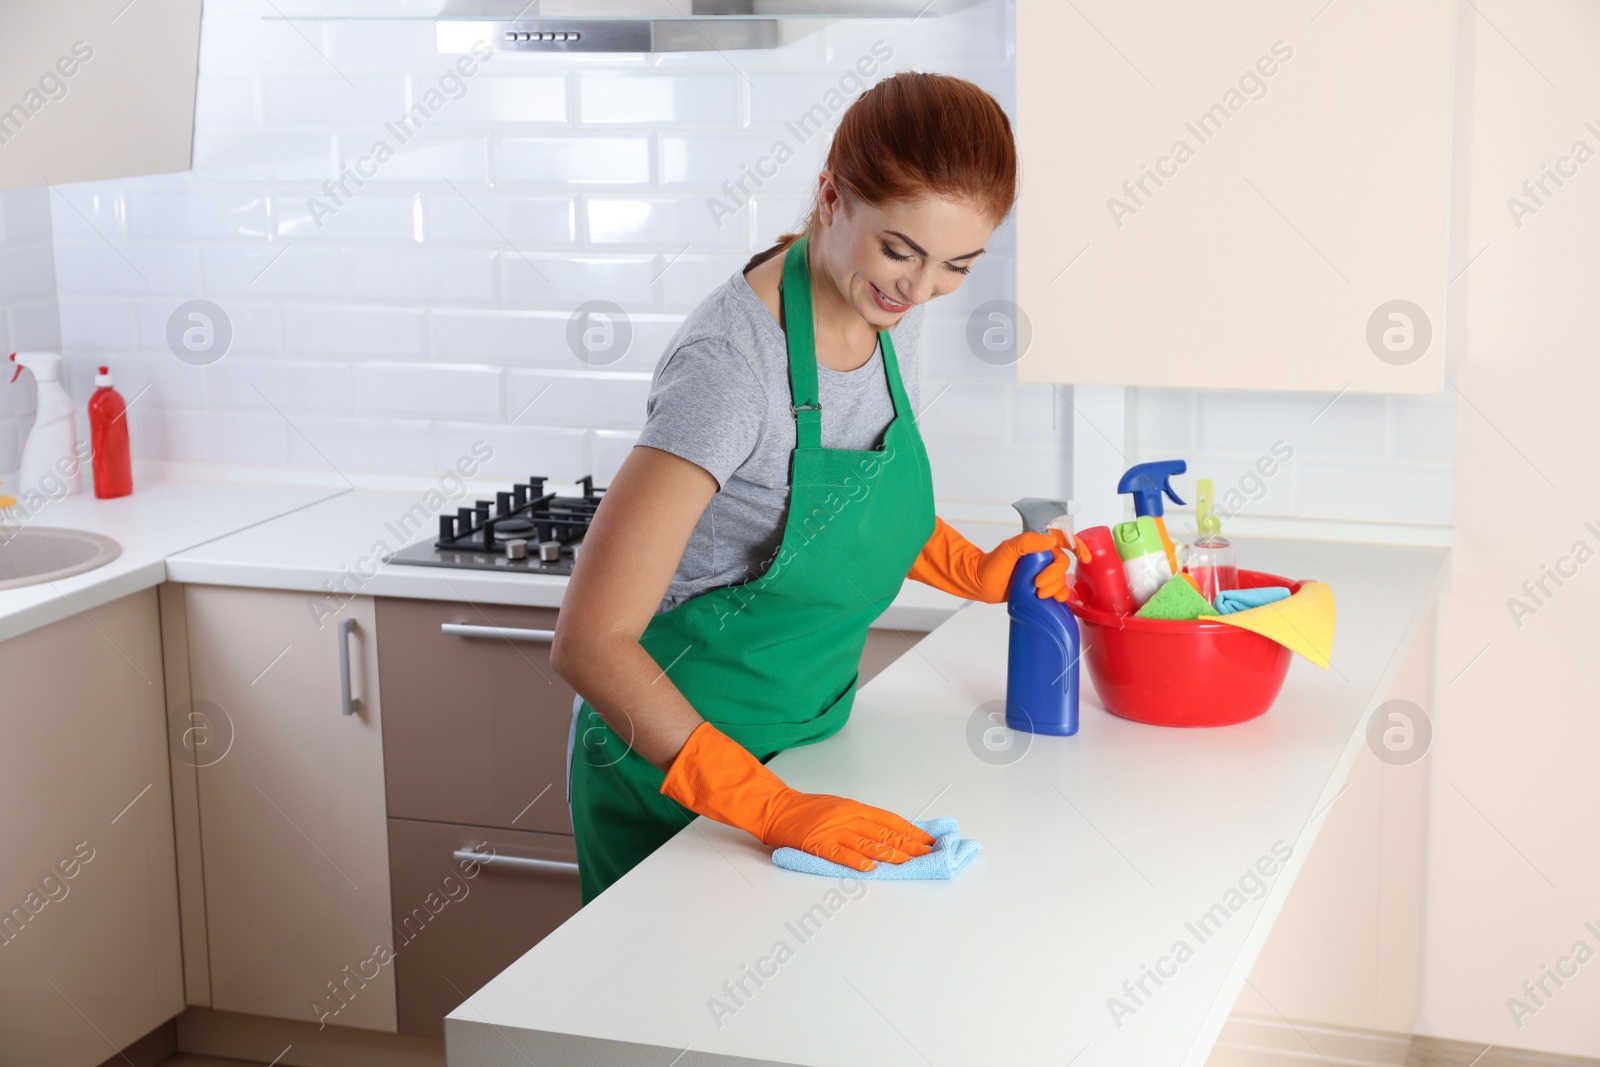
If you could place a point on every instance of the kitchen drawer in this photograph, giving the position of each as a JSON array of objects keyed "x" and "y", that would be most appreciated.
[
  {"x": 474, "y": 726},
  {"x": 457, "y": 923}
]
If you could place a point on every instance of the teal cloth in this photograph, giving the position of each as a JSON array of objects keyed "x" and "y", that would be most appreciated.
[
  {"x": 1231, "y": 600},
  {"x": 950, "y": 853}
]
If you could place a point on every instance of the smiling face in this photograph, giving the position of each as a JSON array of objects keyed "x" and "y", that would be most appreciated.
[{"x": 886, "y": 259}]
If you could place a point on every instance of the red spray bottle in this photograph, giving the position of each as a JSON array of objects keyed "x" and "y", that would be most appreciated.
[{"x": 108, "y": 435}]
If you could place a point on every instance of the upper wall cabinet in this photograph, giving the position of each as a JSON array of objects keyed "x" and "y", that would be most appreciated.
[
  {"x": 1248, "y": 195},
  {"x": 96, "y": 89}
]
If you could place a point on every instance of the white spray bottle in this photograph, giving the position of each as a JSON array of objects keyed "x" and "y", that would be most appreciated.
[{"x": 50, "y": 458}]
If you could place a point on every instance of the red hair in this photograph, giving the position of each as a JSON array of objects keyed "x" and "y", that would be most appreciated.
[{"x": 915, "y": 135}]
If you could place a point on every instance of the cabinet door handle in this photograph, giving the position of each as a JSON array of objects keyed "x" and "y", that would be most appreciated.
[
  {"x": 516, "y": 863},
  {"x": 461, "y": 629},
  {"x": 350, "y": 703}
]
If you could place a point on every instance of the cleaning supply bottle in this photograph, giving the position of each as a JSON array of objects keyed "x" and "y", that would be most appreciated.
[
  {"x": 1211, "y": 560},
  {"x": 1102, "y": 583},
  {"x": 50, "y": 455},
  {"x": 1042, "y": 663},
  {"x": 1144, "y": 560},
  {"x": 108, "y": 436},
  {"x": 1147, "y": 482}
]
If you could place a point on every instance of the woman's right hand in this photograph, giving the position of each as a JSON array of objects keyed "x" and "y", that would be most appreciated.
[{"x": 717, "y": 777}]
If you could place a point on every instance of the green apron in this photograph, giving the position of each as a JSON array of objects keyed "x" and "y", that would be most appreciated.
[{"x": 771, "y": 662}]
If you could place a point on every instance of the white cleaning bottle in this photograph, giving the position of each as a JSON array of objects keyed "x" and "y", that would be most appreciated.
[{"x": 50, "y": 458}]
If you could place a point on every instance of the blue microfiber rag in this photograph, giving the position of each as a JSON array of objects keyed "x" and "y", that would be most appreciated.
[
  {"x": 1231, "y": 600},
  {"x": 950, "y": 854}
]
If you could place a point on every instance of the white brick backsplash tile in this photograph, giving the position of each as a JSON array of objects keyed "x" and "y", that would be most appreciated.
[
  {"x": 1379, "y": 492},
  {"x": 690, "y": 277},
  {"x": 422, "y": 277},
  {"x": 34, "y": 324},
  {"x": 771, "y": 214},
  {"x": 177, "y": 214},
  {"x": 652, "y": 99},
  {"x": 211, "y": 436},
  {"x": 517, "y": 223},
  {"x": 758, "y": 158},
  {"x": 1425, "y": 427},
  {"x": 610, "y": 401},
  {"x": 255, "y": 325},
  {"x": 25, "y": 216},
  {"x": 361, "y": 331},
  {"x": 1352, "y": 425},
  {"x": 1164, "y": 419},
  {"x": 91, "y": 323},
  {"x": 292, "y": 386},
  {"x": 225, "y": 103},
  {"x": 671, "y": 221},
  {"x": 1040, "y": 414},
  {"x": 360, "y": 103},
  {"x": 27, "y": 272},
  {"x": 449, "y": 391},
  {"x": 488, "y": 99},
  {"x": 572, "y": 160},
  {"x": 238, "y": 40},
  {"x": 136, "y": 270},
  {"x": 1246, "y": 485},
  {"x": 947, "y": 357},
  {"x": 562, "y": 283},
  {"x": 154, "y": 381},
  {"x": 999, "y": 474},
  {"x": 87, "y": 211},
  {"x": 978, "y": 33},
  {"x": 266, "y": 156},
  {"x": 608, "y": 449},
  {"x": 963, "y": 413},
  {"x": 518, "y": 338},
  {"x": 430, "y": 156},
  {"x": 360, "y": 45},
  {"x": 303, "y": 271},
  {"x": 364, "y": 215},
  {"x": 360, "y": 444},
  {"x": 519, "y": 451},
  {"x": 804, "y": 106}
]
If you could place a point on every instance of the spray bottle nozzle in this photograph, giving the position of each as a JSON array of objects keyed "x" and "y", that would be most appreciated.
[
  {"x": 18, "y": 372},
  {"x": 1206, "y": 519},
  {"x": 1147, "y": 481}
]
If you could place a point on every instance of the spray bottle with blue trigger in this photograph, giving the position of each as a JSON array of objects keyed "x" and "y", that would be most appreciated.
[
  {"x": 1148, "y": 482},
  {"x": 1042, "y": 662}
]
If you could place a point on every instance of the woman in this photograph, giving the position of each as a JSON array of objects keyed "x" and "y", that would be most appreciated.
[{"x": 777, "y": 498}]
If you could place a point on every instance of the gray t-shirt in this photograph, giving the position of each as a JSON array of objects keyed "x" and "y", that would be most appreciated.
[{"x": 720, "y": 399}]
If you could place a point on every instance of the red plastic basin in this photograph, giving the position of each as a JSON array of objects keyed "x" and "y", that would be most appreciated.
[{"x": 1174, "y": 673}]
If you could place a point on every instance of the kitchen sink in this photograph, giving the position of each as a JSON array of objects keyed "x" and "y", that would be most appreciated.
[{"x": 30, "y": 555}]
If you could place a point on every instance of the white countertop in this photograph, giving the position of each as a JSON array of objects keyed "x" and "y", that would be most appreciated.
[
  {"x": 157, "y": 520},
  {"x": 1098, "y": 849},
  {"x": 339, "y": 545}
]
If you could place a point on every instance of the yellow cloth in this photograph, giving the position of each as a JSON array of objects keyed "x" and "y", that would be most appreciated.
[{"x": 1303, "y": 623}]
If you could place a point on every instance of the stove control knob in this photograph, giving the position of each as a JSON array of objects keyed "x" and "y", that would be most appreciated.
[
  {"x": 550, "y": 551},
  {"x": 517, "y": 549}
]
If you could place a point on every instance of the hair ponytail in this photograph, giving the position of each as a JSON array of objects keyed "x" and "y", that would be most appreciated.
[{"x": 915, "y": 135}]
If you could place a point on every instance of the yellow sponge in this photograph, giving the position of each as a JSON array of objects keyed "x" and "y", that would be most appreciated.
[{"x": 1176, "y": 600}]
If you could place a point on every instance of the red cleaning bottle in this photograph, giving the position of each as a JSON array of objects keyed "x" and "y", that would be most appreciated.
[
  {"x": 108, "y": 435},
  {"x": 1103, "y": 582}
]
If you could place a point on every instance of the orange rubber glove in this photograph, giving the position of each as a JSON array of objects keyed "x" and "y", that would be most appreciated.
[
  {"x": 717, "y": 777},
  {"x": 1053, "y": 581},
  {"x": 952, "y": 563}
]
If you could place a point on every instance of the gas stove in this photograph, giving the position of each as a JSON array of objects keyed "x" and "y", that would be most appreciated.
[{"x": 525, "y": 530}]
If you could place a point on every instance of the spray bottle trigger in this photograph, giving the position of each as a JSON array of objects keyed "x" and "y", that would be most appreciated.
[{"x": 18, "y": 372}]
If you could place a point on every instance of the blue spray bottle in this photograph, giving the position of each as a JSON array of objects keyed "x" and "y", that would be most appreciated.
[{"x": 1042, "y": 667}]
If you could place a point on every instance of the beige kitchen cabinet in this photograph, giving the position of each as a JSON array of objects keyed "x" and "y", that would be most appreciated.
[
  {"x": 90, "y": 958},
  {"x": 96, "y": 89},
  {"x": 1239, "y": 196},
  {"x": 293, "y": 833}
]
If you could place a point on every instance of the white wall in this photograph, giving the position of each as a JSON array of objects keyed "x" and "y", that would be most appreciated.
[
  {"x": 432, "y": 307},
  {"x": 1513, "y": 871},
  {"x": 28, "y": 315}
]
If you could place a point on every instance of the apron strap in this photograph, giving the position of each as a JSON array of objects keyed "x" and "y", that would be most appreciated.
[
  {"x": 802, "y": 345},
  {"x": 801, "y": 338}
]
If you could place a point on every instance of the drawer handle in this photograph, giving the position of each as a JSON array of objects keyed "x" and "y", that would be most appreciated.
[
  {"x": 515, "y": 863},
  {"x": 462, "y": 629},
  {"x": 349, "y": 703}
]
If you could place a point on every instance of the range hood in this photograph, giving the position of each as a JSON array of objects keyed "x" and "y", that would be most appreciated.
[{"x": 650, "y": 25}]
